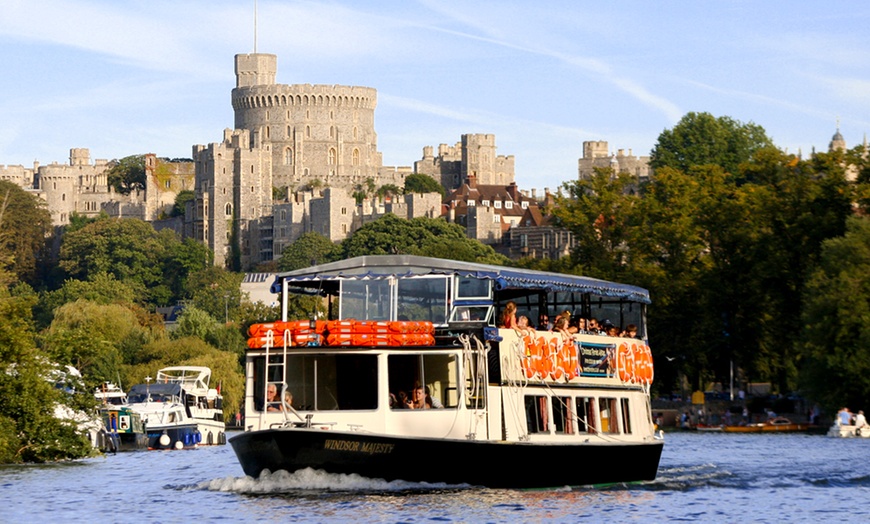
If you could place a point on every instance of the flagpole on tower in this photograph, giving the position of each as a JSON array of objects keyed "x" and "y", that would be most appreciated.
[{"x": 255, "y": 26}]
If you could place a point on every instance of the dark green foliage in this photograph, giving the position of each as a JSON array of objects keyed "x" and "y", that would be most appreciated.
[
  {"x": 308, "y": 250},
  {"x": 24, "y": 224},
  {"x": 127, "y": 174},
  {"x": 181, "y": 201},
  {"x": 420, "y": 183},
  {"x": 701, "y": 139}
]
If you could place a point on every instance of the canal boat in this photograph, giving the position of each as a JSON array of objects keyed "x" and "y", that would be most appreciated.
[
  {"x": 409, "y": 376},
  {"x": 204, "y": 403}
]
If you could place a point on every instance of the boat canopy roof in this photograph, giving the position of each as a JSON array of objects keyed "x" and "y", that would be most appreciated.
[
  {"x": 324, "y": 279},
  {"x": 155, "y": 390}
]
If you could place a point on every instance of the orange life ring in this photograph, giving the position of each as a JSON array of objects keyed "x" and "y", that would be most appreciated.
[
  {"x": 573, "y": 363},
  {"x": 625, "y": 363}
]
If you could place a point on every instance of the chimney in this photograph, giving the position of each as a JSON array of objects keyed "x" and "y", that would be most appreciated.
[
  {"x": 472, "y": 181},
  {"x": 513, "y": 192}
]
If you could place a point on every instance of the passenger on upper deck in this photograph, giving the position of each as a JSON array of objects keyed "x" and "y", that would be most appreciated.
[
  {"x": 592, "y": 327},
  {"x": 562, "y": 328},
  {"x": 544, "y": 322},
  {"x": 630, "y": 331},
  {"x": 523, "y": 326},
  {"x": 508, "y": 318},
  {"x": 844, "y": 417}
]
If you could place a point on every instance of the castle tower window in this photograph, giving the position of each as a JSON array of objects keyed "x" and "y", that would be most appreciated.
[
  {"x": 289, "y": 130},
  {"x": 228, "y": 210},
  {"x": 344, "y": 211},
  {"x": 355, "y": 157},
  {"x": 288, "y": 156},
  {"x": 332, "y": 156},
  {"x": 252, "y": 189},
  {"x": 224, "y": 190},
  {"x": 331, "y": 131},
  {"x": 268, "y": 131},
  {"x": 307, "y": 131},
  {"x": 354, "y": 132},
  {"x": 283, "y": 215}
]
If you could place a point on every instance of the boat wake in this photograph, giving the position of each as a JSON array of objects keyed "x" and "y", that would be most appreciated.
[{"x": 310, "y": 480}]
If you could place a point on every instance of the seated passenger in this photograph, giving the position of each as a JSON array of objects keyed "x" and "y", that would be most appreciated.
[
  {"x": 544, "y": 322},
  {"x": 561, "y": 327},
  {"x": 272, "y": 402},
  {"x": 523, "y": 326},
  {"x": 419, "y": 399},
  {"x": 630, "y": 331}
]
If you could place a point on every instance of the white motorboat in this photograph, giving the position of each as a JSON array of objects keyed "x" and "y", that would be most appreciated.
[
  {"x": 167, "y": 419},
  {"x": 848, "y": 430},
  {"x": 204, "y": 403}
]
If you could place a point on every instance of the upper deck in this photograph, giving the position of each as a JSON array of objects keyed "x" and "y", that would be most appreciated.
[{"x": 459, "y": 295}]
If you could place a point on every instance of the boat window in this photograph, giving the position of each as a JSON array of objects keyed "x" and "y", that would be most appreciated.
[
  {"x": 471, "y": 288},
  {"x": 436, "y": 373},
  {"x": 626, "y": 419},
  {"x": 422, "y": 299},
  {"x": 563, "y": 416},
  {"x": 326, "y": 382},
  {"x": 537, "y": 414},
  {"x": 471, "y": 314},
  {"x": 365, "y": 299},
  {"x": 607, "y": 409},
  {"x": 585, "y": 409}
]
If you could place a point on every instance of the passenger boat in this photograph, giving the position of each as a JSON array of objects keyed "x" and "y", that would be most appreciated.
[
  {"x": 500, "y": 407},
  {"x": 204, "y": 403},
  {"x": 124, "y": 429},
  {"x": 777, "y": 424},
  {"x": 165, "y": 414}
]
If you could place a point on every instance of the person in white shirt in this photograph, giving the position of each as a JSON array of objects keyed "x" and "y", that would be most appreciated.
[{"x": 860, "y": 420}]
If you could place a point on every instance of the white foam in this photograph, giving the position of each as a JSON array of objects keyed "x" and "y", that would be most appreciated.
[{"x": 312, "y": 479}]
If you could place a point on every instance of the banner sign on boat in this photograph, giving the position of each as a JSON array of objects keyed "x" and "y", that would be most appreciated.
[{"x": 594, "y": 358}]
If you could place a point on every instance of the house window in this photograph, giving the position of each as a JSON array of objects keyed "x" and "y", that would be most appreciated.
[
  {"x": 496, "y": 218},
  {"x": 167, "y": 184},
  {"x": 471, "y": 203},
  {"x": 497, "y": 204},
  {"x": 509, "y": 205},
  {"x": 344, "y": 211},
  {"x": 524, "y": 204},
  {"x": 484, "y": 203}
]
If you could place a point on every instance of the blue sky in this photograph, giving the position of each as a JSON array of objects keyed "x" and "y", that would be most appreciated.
[{"x": 138, "y": 76}]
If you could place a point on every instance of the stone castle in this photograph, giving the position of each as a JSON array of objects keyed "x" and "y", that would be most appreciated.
[{"x": 304, "y": 158}]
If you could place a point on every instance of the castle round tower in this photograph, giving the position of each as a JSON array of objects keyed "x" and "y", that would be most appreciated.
[{"x": 322, "y": 133}]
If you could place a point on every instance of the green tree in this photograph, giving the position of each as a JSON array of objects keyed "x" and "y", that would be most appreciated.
[
  {"x": 835, "y": 349},
  {"x": 181, "y": 200},
  {"x": 102, "y": 288},
  {"x": 24, "y": 226},
  {"x": 127, "y": 174},
  {"x": 216, "y": 291},
  {"x": 433, "y": 237},
  {"x": 129, "y": 249},
  {"x": 420, "y": 183},
  {"x": 700, "y": 139},
  {"x": 29, "y": 431},
  {"x": 308, "y": 250}
]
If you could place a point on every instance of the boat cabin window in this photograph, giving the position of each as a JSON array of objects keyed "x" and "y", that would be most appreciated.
[
  {"x": 537, "y": 414},
  {"x": 436, "y": 373},
  {"x": 473, "y": 288},
  {"x": 607, "y": 410},
  {"x": 423, "y": 298},
  {"x": 480, "y": 314},
  {"x": 325, "y": 382},
  {"x": 563, "y": 415},
  {"x": 585, "y": 409},
  {"x": 626, "y": 419}
]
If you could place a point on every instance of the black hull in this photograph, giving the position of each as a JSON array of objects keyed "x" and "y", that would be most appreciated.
[
  {"x": 495, "y": 465},
  {"x": 132, "y": 441}
]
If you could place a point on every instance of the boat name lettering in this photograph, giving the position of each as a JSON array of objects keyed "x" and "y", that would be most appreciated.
[
  {"x": 595, "y": 352},
  {"x": 371, "y": 448}
]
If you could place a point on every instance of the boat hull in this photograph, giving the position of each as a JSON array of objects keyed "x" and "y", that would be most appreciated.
[
  {"x": 480, "y": 463},
  {"x": 181, "y": 436}
]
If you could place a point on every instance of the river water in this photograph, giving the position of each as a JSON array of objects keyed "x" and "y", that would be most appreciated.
[{"x": 702, "y": 477}]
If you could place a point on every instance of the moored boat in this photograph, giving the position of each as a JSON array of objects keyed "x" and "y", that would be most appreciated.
[
  {"x": 777, "y": 424},
  {"x": 488, "y": 406},
  {"x": 166, "y": 417},
  {"x": 204, "y": 403},
  {"x": 849, "y": 431},
  {"x": 124, "y": 429}
]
